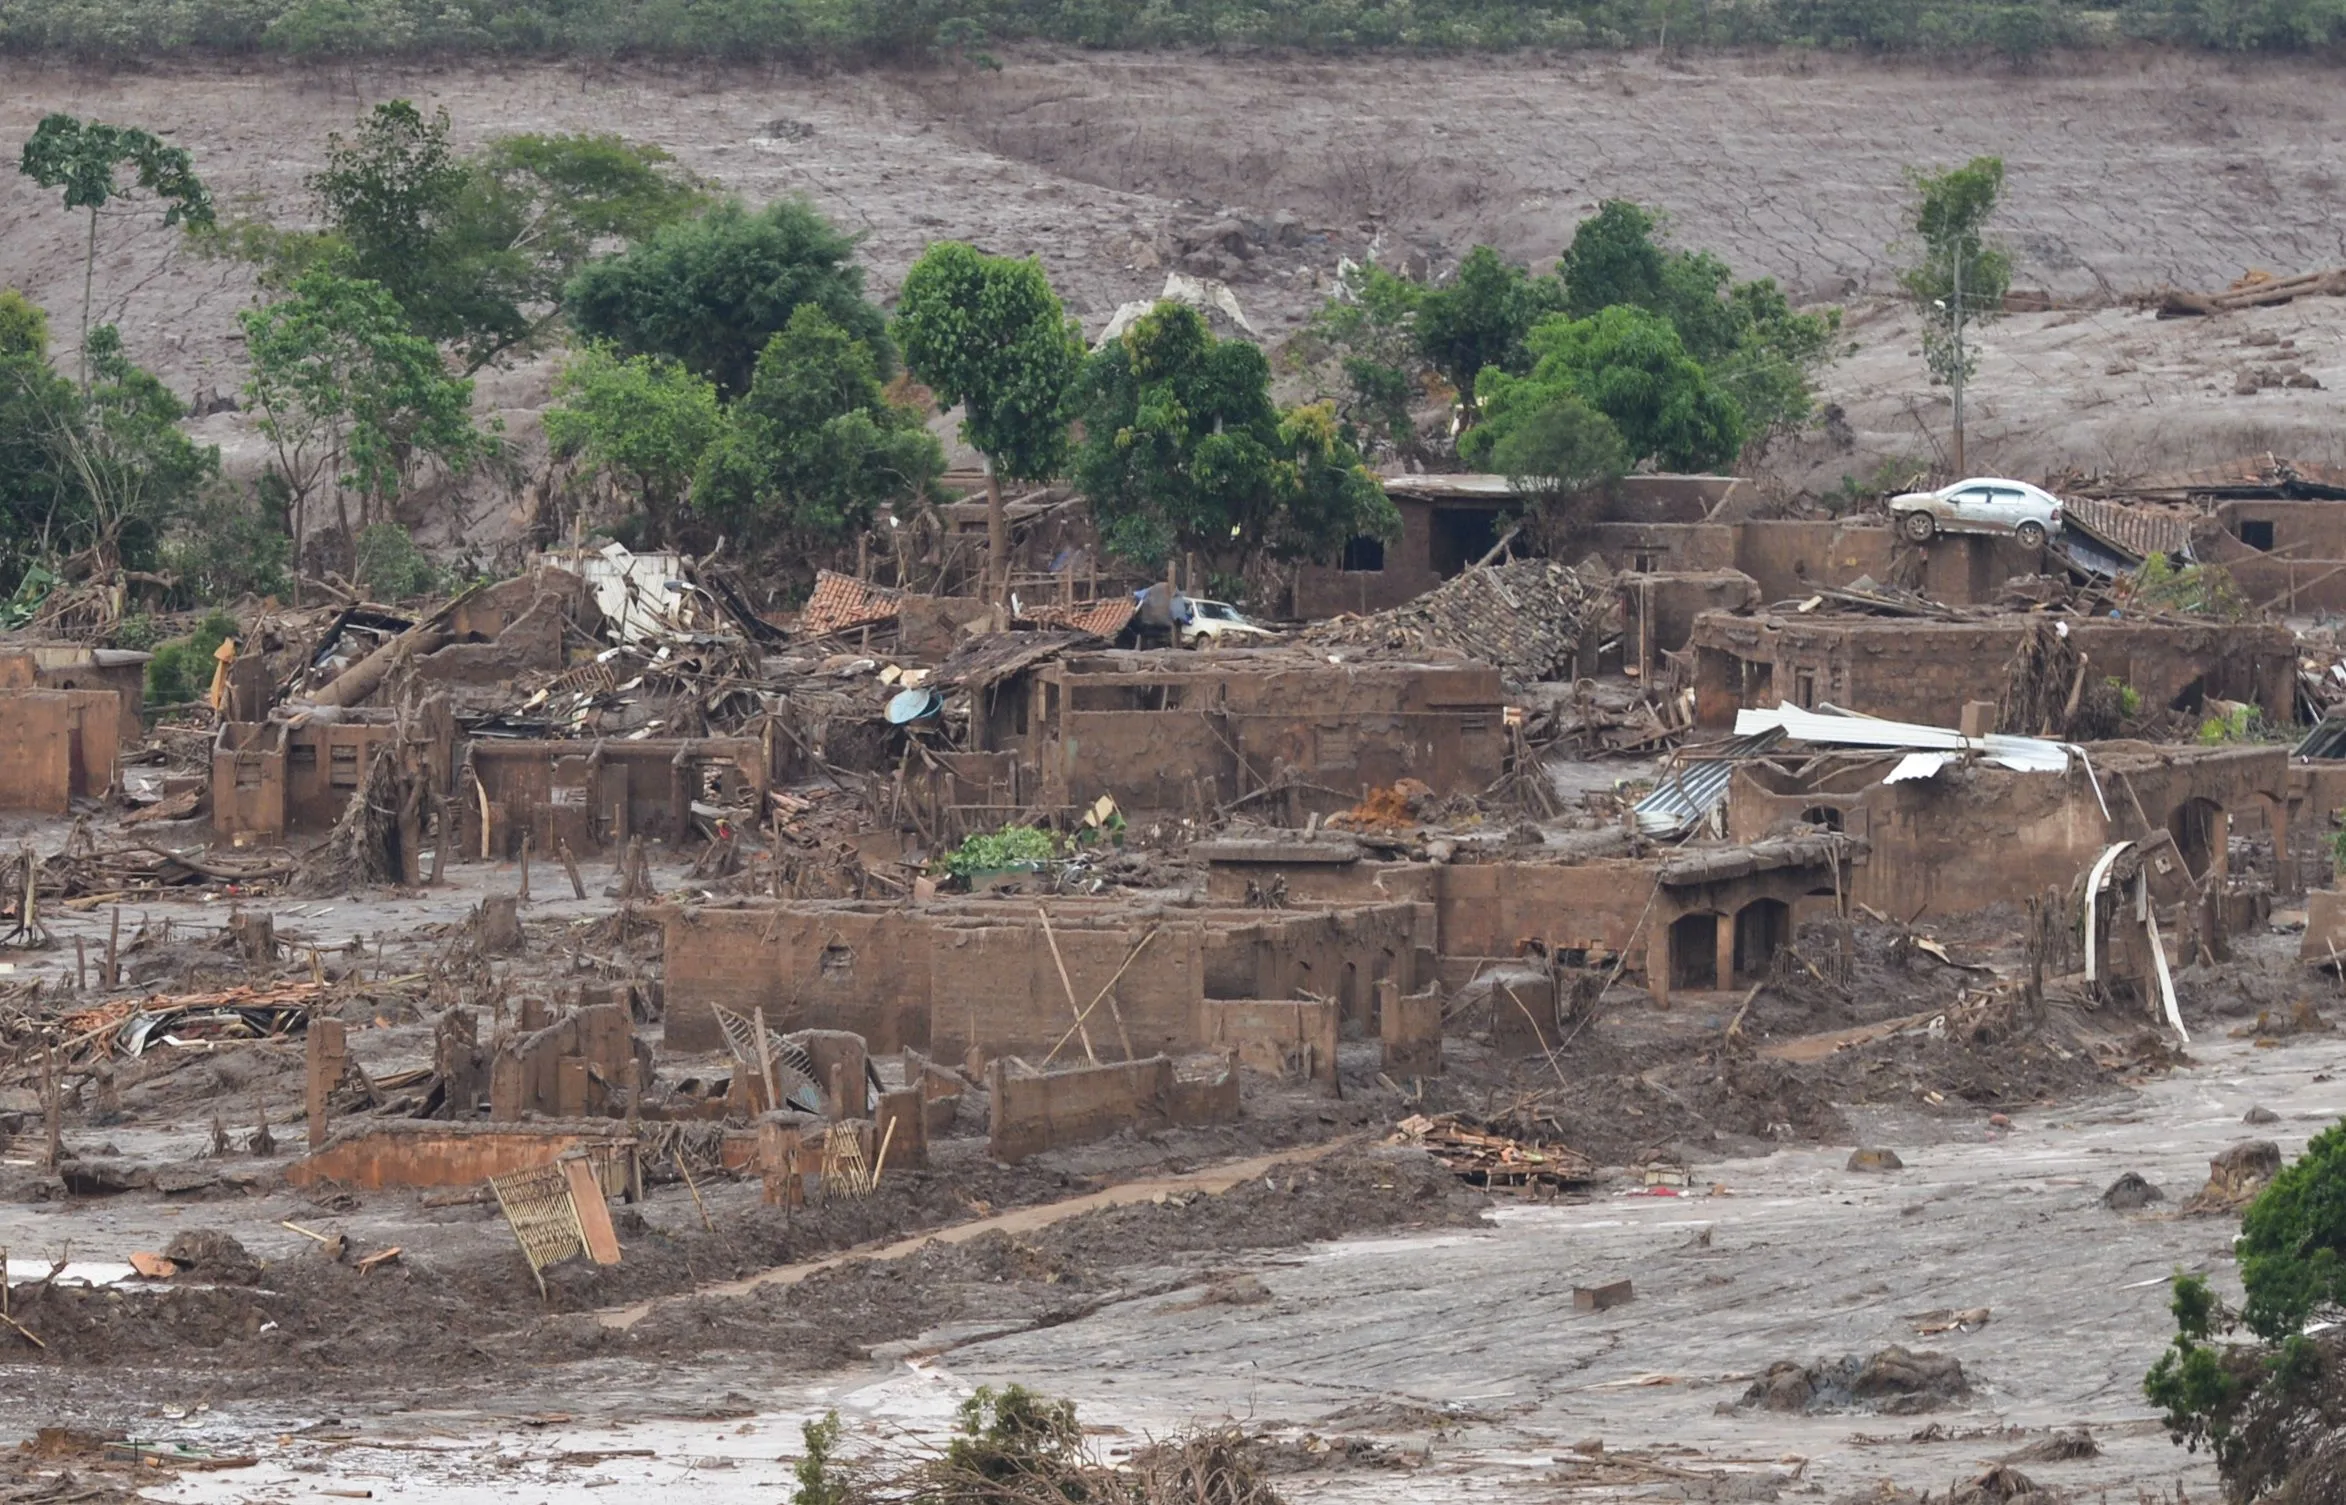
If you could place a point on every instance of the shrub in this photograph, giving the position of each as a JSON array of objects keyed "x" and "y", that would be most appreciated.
[
  {"x": 994, "y": 851},
  {"x": 390, "y": 564},
  {"x": 2265, "y": 1408},
  {"x": 181, "y": 671}
]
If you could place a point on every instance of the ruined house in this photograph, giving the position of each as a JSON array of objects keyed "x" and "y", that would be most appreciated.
[
  {"x": 973, "y": 980},
  {"x": 592, "y": 796},
  {"x": 295, "y": 773},
  {"x": 57, "y": 746},
  {"x": 121, "y": 672},
  {"x": 1926, "y": 670},
  {"x": 1185, "y": 732}
]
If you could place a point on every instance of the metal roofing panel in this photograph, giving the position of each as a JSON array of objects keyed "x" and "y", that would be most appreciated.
[
  {"x": 2024, "y": 754},
  {"x": 1686, "y": 795}
]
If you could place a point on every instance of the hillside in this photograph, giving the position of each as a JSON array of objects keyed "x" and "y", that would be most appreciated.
[{"x": 2125, "y": 171}]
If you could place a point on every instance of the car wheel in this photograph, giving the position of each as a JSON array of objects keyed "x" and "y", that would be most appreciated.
[
  {"x": 2031, "y": 535},
  {"x": 1919, "y": 526}
]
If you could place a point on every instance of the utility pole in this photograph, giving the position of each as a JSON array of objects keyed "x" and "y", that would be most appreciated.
[{"x": 1960, "y": 315}]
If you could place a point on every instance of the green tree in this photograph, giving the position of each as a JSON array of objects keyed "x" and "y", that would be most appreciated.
[
  {"x": 814, "y": 447},
  {"x": 132, "y": 467},
  {"x": 642, "y": 422},
  {"x": 86, "y": 160},
  {"x": 2267, "y": 1408},
  {"x": 710, "y": 291},
  {"x": 350, "y": 397},
  {"x": 986, "y": 333},
  {"x": 1556, "y": 451},
  {"x": 1183, "y": 450},
  {"x": 1368, "y": 328},
  {"x": 35, "y": 485},
  {"x": 480, "y": 249},
  {"x": 1478, "y": 319},
  {"x": 1630, "y": 366},
  {"x": 1959, "y": 276},
  {"x": 1746, "y": 335}
]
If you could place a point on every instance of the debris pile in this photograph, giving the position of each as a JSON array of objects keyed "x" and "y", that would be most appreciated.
[
  {"x": 1893, "y": 1382},
  {"x": 1528, "y": 618},
  {"x": 1494, "y": 1161}
]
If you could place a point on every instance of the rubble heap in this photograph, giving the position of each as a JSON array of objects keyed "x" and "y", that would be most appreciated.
[{"x": 1526, "y": 617}]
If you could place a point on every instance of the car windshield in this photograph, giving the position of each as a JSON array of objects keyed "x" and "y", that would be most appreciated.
[{"x": 1216, "y": 611}]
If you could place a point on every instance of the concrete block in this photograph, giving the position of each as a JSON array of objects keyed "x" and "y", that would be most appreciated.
[
  {"x": 903, "y": 1125},
  {"x": 1523, "y": 1013},
  {"x": 1600, "y": 1298}
]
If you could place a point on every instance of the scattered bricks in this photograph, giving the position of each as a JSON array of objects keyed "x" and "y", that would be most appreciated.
[
  {"x": 903, "y": 1125},
  {"x": 1875, "y": 1160},
  {"x": 1279, "y": 1037},
  {"x": 500, "y": 932},
  {"x": 1523, "y": 1012},
  {"x": 1600, "y": 1298},
  {"x": 327, "y": 1056},
  {"x": 1412, "y": 1031}
]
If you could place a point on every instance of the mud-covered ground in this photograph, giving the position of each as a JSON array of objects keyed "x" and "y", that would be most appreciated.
[{"x": 2124, "y": 173}]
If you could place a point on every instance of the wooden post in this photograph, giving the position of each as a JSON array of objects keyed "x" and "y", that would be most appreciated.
[
  {"x": 570, "y": 866},
  {"x": 766, "y": 1060},
  {"x": 443, "y": 834},
  {"x": 525, "y": 838},
  {"x": 114, "y": 951},
  {"x": 328, "y": 1052},
  {"x": 52, "y": 1110}
]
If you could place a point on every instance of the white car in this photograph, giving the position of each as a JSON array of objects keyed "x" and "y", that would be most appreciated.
[
  {"x": 1218, "y": 624},
  {"x": 2029, "y": 514}
]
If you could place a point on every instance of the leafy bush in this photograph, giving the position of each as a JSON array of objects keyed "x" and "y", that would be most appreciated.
[
  {"x": 2242, "y": 723},
  {"x": 225, "y": 546},
  {"x": 994, "y": 851},
  {"x": 181, "y": 671},
  {"x": 2264, "y": 1408},
  {"x": 391, "y": 566}
]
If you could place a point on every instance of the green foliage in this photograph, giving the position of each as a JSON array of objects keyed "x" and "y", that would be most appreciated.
[
  {"x": 1553, "y": 448},
  {"x": 1755, "y": 348},
  {"x": 1183, "y": 450},
  {"x": 391, "y": 566},
  {"x": 226, "y": 545},
  {"x": 819, "y": 1481},
  {"x": 996, "y": 851},
  {"x": 2129, "y": 698},
  {"x": 1960, "y": 276},
  {"x": 1013, "y": 1434},
  {"x": 1630, "y": 366},
  {"x": 988, "y": 334},
  {"x": 1478, "y": 320},
  {"x": 2205, "y": 590},
  {"x": 480, "y": 249},
  {"x": 86, "y": 160},
  {"x": 958, "y": 31},
  {"x": 815, "y": 446},
  {"x": 1369, "y": 328},
  {"x": 2242, "y": 723},
  {"x": 136, "y": 632},
  {"x": 181, "y": 671},
  {"x": 642, "y": 422},
  {"x": 348, "y": 396},
  {"x": 2261, "y": 1407},
  {"x": 2292, "y": 1246},
  {"x": 710, "y": 291}
]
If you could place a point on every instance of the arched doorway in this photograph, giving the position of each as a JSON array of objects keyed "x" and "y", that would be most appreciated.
[
  {"x": 1694, "y": 952},
  {"x": 2202, "y": 831},
  {"x": 1762, "y": 928}
]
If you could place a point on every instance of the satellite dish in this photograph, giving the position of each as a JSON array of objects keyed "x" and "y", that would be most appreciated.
[{"x": 908, "y": 706}]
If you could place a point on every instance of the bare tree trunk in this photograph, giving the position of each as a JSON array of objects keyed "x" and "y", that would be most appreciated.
[
  {"x": 89, "y": 268},
  {"x": 997, "y": 538}
]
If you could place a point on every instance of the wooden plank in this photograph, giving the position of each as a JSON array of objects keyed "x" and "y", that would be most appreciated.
[{"x": 594, "y": 1213}]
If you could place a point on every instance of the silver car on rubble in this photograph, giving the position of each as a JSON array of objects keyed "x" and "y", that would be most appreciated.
[{"x": 2029, "y": 514}]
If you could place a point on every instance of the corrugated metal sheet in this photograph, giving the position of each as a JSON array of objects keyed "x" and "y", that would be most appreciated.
[
  {"x": 2023, "y": 754},
  {"x": 1687, "y": 794}
]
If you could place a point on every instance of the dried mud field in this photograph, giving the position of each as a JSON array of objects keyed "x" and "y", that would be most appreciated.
[{"x": 2125, "y": 173}]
